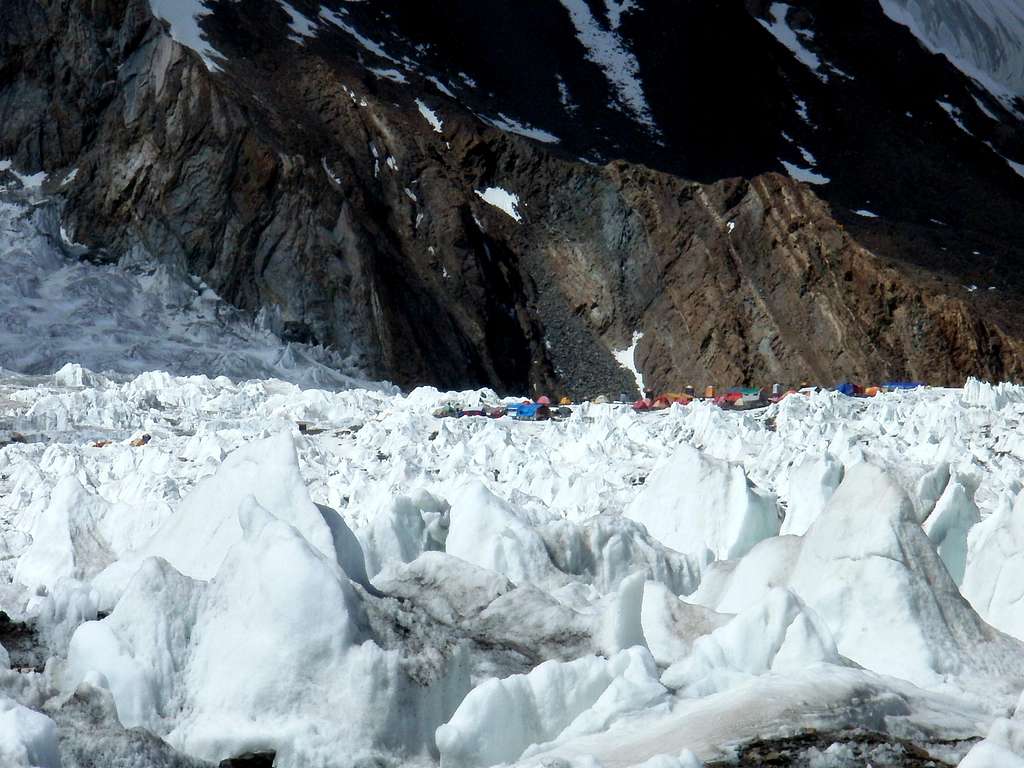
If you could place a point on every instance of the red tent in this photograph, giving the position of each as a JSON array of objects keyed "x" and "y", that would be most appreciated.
[{"x": 544, "y": 400}]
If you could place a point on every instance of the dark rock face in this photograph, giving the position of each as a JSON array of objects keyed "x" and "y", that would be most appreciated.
[
  {"x": 298, "y": 177},
  {"x": 844, "y": 748},
  {"x": 22, "y": 644},
  {"x": 250, "y": 760},
  {"x": 90, "y": 736}
]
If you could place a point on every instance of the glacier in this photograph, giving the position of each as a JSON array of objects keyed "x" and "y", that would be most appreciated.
[{"x": 283, "y": 569}]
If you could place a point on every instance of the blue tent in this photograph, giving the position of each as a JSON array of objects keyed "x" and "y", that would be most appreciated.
[
  {"x": 902, "y": 385},
  {"x": 527, "y": 410},
  {"x": 846, "y": 388}
]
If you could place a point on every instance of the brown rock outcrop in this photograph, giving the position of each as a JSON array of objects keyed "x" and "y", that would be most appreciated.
[{"x": 297, "y": 178}]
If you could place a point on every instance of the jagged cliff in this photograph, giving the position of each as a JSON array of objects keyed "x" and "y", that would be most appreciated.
[{"x": 304, "y": 166}]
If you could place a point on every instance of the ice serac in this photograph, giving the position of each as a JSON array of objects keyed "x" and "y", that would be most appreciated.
[
  {"x": 874, "y": 577},
  {"x": 501, "y": 719},
  {"x": 606, "y": 549},
  {"x": 486, "y": 531},
  {"x": 671, "y": 626},
  {"x": 948, "y": 526},
  {"x": 280, "y": 649},
  {"x": 734, "y": 586},
  {"x": 447, "y": 587},
  {"x": 811, "y": 483},
  {"x": 704, "y": 507},
  {"x": 995, "y": 566},
  {"x": 28, "y": 739},
  {"x": 250, "y": 661},
  {"x": 66, "y": 539},
  {"x": 196, "y": 539},
  {"x": 525, "y": 624},
  {"x": 1002, "y": 748},
  {"x": 778, "y": 634},
  {"x": 399, "y": 533}
]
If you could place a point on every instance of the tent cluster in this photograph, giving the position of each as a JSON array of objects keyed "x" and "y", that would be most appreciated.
[
  {"x": 734, "y": 399},
  {"x": 541, "y": 409},
  {"x": 746, "y": 398},
  {"x": 850, "y": 389}
]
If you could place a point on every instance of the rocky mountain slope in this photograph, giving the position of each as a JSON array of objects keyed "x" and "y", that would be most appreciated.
[{"x": 461, "y": 195}]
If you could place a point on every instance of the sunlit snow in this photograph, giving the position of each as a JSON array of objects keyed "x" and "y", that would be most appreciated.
[
  {"x": 607, "y": 50},
  {"x": 337, "y": 19},
  {"x": 627, "y": 359},
  {"x": 501, "y": 199},
  {"x": 790, "y": 38},
  {"x": 805, "y": 175},
  {"x": 506, "y": 123},
  {"x": 300, "y": 24},
  {"x": 261, "y": 528},
  {"x": 429, "y": 115}
]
